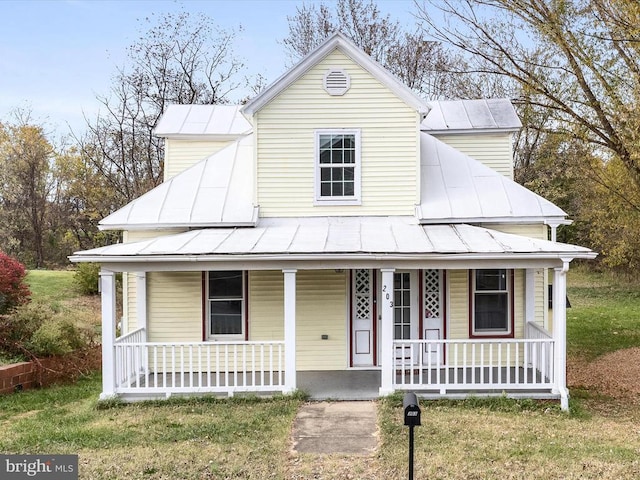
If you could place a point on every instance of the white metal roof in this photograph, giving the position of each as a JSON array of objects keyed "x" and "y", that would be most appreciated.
[
  {"x": 315, "y": 238},
  {"x": 341, "y": 42},
  {"x": 216, "y": 191},
  {"x": 459, "y": 189},
  {"x": 453, "y": 116},
  {"x": 203, "y": 121}
]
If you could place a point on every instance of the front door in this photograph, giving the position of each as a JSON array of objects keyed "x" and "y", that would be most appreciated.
[
  {"x": 362, "y": 329},
  {"x": 405, "y": 313}
]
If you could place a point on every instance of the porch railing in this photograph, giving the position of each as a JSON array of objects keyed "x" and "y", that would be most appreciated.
[
  {"x": 537, "y": 351},
  {"x": 475, "y": 365},
  {"x": 198, "y": 367}
]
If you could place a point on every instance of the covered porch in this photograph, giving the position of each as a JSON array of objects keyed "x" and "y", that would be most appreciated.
[{"x": 529, "y": 361}]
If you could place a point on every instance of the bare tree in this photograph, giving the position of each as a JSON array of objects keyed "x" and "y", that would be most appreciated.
[
  {"x": 578, "y": 59},
  {"x": 181, "y": 58},
  {"x": 423, "y": 65}
]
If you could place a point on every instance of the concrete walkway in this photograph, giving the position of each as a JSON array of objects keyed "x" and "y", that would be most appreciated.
[{"x": 336, "y": 427}]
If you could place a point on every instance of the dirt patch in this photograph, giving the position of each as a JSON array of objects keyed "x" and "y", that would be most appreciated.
[{"x": 616, "y": 374}]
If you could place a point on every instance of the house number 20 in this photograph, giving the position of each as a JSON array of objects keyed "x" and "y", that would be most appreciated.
[{"x": 387, "y": 296}]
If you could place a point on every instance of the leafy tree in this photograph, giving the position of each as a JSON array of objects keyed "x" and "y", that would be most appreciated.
[
  {"x": 25, "y": 186},
  {"x": 181, "y": 58},
  {"x": 13, "y": 289},
  {"x": 423, "y": 65}
]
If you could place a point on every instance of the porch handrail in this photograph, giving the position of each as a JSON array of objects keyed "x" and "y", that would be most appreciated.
[
  {"x": 535, "y": 331},
  {"x": 474, "y": 364},
  {"x": 199, "y": 367},
  {"x": 136, "y": 336}
]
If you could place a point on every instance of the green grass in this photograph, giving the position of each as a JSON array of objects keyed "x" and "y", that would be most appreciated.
[
  {"x": 604, "y": 314},
  {"x": 180, "y": 438},
  {"x": 52, "y": 286}
]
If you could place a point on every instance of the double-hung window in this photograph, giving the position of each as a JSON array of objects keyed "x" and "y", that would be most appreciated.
[
  {"x": 226, "y": 304},
  {"x": 337, "y": 167},
  {"x": 492, "y": 300}
]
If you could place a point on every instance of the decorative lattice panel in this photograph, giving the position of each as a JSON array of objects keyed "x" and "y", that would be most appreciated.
[
  {"x": 432, "y": 293},
  {"x": 363, "y": 294}
]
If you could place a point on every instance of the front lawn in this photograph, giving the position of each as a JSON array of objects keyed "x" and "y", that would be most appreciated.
[{"x": 604, "y": 314}]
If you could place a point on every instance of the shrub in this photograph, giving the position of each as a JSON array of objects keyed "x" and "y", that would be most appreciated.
[
  {"x": 56, "y": 337},
  {"x": 86, "y": 277},
  {"x": 36, "y": 330},
  {"x": 13, "y": 289}
]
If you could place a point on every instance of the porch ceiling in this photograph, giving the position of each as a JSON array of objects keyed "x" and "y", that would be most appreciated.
[{"x": 323, "y": 238}]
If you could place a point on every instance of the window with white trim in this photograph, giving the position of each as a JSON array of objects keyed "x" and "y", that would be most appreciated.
[
  {"x": 226, "y": 304},
  {"x": 492, "y": 299},
  {"x": 338, "y": 167}
]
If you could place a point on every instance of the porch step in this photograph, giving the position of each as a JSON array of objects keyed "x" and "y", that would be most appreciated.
[{"x": 336, "y": 427}]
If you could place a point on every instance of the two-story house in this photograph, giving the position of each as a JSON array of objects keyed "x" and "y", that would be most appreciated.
[{"x": 337, "y": 230}]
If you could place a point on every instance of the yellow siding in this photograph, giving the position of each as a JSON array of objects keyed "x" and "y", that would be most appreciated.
[
  {"x": 129, "y": 295},
  {"x": 181, "y": 154},
  {"x": 538, "y": 231},
  {"x": 493, "y": 150},
  {"x": 458, "y": 281},
  {"x": 286, "y": 144},
  {"x": 321, "y": 309},
  {"x": 266, "y": 305},
  {"x": 174, "y": 306}
]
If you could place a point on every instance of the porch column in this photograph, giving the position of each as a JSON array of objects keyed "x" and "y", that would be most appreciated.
[
  {"x": 108, "y": 299},
  {"x": 289, "y": 330},
  {"x": 530, "y": 292},
  {"x": 141, "y": 314},
  {"x": 386, "y": 332},
  {"x": 141, "y": 301},
  {"x": 560, "y": 332}
]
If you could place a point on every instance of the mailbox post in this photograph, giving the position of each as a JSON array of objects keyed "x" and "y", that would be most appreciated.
[{"x": 411, "y": 419}]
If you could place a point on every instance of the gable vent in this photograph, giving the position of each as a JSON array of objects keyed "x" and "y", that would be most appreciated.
[{"x": 336, "y": 82}]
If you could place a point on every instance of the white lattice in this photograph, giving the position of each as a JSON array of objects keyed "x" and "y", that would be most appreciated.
[
  {"x": 432, "y": 293},
  {"x": 363, "y": 294}
]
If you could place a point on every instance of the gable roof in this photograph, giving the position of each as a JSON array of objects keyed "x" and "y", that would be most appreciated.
[
  {"x": 217, "y": 191},
  {"x": 453, "y": 116},
  {"x": 456, "y": 188},
  {"x": 342, "y": 43},
  {"x": 217, "y": 122}
]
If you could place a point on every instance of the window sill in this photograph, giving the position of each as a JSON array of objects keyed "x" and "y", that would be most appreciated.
[{"x": 336, "y": 202}]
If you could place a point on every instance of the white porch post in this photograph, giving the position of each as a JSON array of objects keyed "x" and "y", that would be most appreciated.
[
  {"x": 560, "y": 332},
  {"x": 141, "y": 301},
  {"x": 530, "y": 291},
  {"x": 386, "y": 333},
  {"x": 141, "y": 314},
  {"x": 289, "y": 330},
  {"x": 108, "y": 298}
]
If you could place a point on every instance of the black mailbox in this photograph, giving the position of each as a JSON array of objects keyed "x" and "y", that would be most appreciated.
[{"x": 411, "y": 409}]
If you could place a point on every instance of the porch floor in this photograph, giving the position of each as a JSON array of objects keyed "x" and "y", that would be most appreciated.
[{"x": 361, "y": 384}]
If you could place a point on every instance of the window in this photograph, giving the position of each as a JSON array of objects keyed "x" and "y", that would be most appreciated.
[
  {"x": 492, "y": 302},
  {"x": 226, "y": 304},
  {"x": 338, "y": 167}
]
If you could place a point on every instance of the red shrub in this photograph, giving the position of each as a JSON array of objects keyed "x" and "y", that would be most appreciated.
[{"x": 13, "y": 290}]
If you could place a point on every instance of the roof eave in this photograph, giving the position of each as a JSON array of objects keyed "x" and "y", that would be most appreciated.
[
  {"x": 468, "y": 131},
  {"x": 565, "y": 256},
  {"x": 166, "y": 226},
  {"x": 546, "y": 220}
]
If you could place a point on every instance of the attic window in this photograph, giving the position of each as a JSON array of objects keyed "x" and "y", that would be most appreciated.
[{"x": 336, "y": 82}]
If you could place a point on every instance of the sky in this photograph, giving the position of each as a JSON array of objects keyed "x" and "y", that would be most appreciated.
[{"x": 56, "y": 56}]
